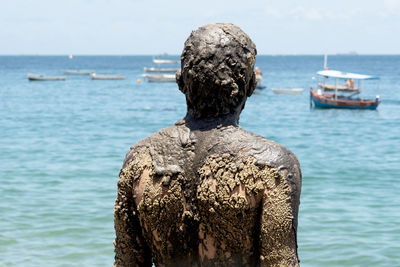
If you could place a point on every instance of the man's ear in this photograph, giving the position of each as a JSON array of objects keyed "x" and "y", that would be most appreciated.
[
  {"x": 179, "y": 81},
  {"x": 252, "y": 84}
]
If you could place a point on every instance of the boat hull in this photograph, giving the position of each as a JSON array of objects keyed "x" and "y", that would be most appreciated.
[
  {"x": 165, "y": 61},
  {"x": 328, "y": 101},
  {"x": 78, "y": 72},
  {"x": 34, "y": 77},
  {"x": 162, "y": 78},
  {"x": 106, "y": 77},
  {"x": 288, "y": 91},
  {"x": 164, "y": 70}
]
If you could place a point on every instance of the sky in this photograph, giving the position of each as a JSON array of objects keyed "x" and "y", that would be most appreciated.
[{"x": 150, "y": 27}]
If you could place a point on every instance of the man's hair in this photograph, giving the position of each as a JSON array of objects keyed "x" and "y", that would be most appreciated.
[{"x": 217, "y": 70}]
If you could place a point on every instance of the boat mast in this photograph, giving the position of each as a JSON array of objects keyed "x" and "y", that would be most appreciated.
[
  {"x": 336, "y": 88},
  {"x": 325, "y": 61},
  {"x": 362, "y": 89}
]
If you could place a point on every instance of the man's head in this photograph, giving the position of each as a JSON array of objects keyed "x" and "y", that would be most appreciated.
[{"x": 217, "y": 70}]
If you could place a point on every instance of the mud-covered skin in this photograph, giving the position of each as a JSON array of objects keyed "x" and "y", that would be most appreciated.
[
  {"x": 205, "y": 192},
  {"x": 220, "y": 196}
]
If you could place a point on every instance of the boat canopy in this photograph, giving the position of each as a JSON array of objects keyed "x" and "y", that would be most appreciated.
[{"x": 346, "y": 75}]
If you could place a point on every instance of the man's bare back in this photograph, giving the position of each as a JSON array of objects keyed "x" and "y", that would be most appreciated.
[{"x": 205, "y": 192}]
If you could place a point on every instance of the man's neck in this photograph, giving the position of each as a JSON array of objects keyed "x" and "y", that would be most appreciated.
[{"x": 210, "y": 122}]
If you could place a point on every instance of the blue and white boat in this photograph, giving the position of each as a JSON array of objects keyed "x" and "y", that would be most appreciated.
[{"x": 337, "y": 94}]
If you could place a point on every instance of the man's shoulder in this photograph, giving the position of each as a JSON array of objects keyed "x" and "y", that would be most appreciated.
[
  {"x": 265, "y": 150},
  {"x": 170, "y": 133},
  {"x": 157, "y": 141},
  {"x": 272, "y": 154}
]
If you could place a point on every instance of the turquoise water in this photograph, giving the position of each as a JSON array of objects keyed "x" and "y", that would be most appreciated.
[{"x": 62, "y": 145}]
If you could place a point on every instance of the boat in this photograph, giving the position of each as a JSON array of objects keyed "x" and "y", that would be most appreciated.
[
  {"x": 106, "y": 77},
  {"x": 163, "y": 70},
  {"x": 288, "y": 91},
  {"x": 78, "y": 72},
  {"x": 160, "y": 78},
  {"x": 162, "y": 75},
  {"x": 259, "y": 84},
  {"x": 342, "y": 96},
  {"x": 165, "y": 61},
  {"x": 37, "y": 77}
]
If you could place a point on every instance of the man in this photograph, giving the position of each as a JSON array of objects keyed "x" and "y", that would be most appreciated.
[{"x": 205, "y": 192}]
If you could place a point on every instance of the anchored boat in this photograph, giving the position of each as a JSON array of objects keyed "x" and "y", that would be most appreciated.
[
  {"x": 162, "y": 74},
  {"x": 165, "y": 61},
  {"x": 106, "y": 77},
  {"x": 160, "y": 78},
  {"x": 37, "y": 77},
  {"x": 259, "y": 79},
  {"x": 164, "y": 70},
  {"x": 288, "y": 91},
  {"x": 78, "y": 72},
  {"x": 342, "y": 95}
]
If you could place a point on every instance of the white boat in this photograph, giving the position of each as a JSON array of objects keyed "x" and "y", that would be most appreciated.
[
  {"x": 37, "y": 77},
  {"x": 164, "y": 70},
  {"x": 288, "y": 91},
  {"x": 259, "y": 79},
  {"x": 165, "y": 61},
  {"x": 160, "y": 78},
  {"x": 78, "y": 72},
  {"x": 162, "y": 75},
  {"x": 259, "y": 82},
  {"x": 106, "y": 77}
]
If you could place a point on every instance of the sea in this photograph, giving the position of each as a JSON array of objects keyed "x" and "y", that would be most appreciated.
[{"x": 62, "y": 144}]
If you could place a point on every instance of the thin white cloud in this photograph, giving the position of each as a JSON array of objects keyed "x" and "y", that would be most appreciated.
[
  {"x": 137, "y": 26},
  {"x": 392, "y": 4},
  {"x": 303, "y": 13},
  {"x": 390, "y": 7},
  {"x": 273, "y": 12}
]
